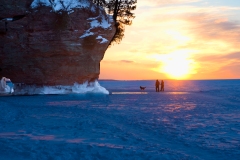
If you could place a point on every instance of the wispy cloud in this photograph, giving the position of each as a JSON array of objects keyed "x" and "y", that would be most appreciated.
[
  {"x": 191, "y": 27},
  {"x": 229, "y": 56},
  {"x": 127, "y": 61}
]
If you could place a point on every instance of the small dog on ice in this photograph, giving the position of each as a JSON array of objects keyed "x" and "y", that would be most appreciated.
[{"x": 142, "y": 88}]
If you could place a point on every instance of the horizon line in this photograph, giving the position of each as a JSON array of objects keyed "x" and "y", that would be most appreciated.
[{"x": 166, "y": 79}]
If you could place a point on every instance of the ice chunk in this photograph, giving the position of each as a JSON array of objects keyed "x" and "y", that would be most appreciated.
[
  {"x": 6, "y": 85},
  {"x": 92, "y": 87}
]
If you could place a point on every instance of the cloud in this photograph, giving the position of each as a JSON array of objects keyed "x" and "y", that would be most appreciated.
[
  {"x": 212, "y": 27},
  {"x": 227, "y": 57},
  {"x": 219, "y": 65},
  {"x": 127, "y": 61},
  {"x": 202, "y": 28},
  {"x": 233, "y": 70},
  {"x": 226, "y": 71}
]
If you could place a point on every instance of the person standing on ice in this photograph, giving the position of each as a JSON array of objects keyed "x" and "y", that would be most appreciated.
[
  {"x": 162, "y": 86},
  {"x": 157, "y": 84}
]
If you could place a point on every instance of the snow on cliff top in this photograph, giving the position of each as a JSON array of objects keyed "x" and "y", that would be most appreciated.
[
  {"x": 66, "y": 5},
  {"x": 100, "y": 21}
]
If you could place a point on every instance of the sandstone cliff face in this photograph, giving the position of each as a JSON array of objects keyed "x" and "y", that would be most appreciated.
[{"x": 44, "y": 47}]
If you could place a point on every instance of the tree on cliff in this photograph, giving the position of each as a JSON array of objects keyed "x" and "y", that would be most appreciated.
[
  {"x": 121, "y": 10},
  {"x": 122, "y": 15},
  {"x": 100, "y": 2}
]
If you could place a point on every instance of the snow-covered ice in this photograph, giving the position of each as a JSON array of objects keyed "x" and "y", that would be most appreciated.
[{"x": 190, "y": 120}]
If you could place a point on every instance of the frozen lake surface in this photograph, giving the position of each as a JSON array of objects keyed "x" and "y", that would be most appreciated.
[{"x": 190, "y": 120}]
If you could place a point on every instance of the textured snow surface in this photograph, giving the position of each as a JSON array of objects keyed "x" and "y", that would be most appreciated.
[{"x": 180, "y": 123}]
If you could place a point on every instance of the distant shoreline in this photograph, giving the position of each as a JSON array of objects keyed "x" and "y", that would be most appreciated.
[
  {"x": 169, "y": 79},
  {"x": 109, "y": 80}
]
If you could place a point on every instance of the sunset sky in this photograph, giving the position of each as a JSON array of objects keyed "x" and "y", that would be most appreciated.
[{"x": 178, "y": 39}]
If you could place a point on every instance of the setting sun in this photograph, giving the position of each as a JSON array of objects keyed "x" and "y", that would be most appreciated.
[
  {"x": 177, "y": 68},
  {"x": 176, "y": 65}
]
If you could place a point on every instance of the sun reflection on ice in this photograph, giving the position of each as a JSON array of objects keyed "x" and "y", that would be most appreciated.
[{"x": 179, "y": 107}]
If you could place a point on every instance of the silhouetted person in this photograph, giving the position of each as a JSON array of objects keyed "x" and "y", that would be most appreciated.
[
  {"x": 157, "y": 84},
  {"x": 162, "y": 86}
]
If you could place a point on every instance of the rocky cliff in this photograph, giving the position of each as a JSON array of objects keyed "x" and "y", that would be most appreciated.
[{"x": 56, "y": 43}]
